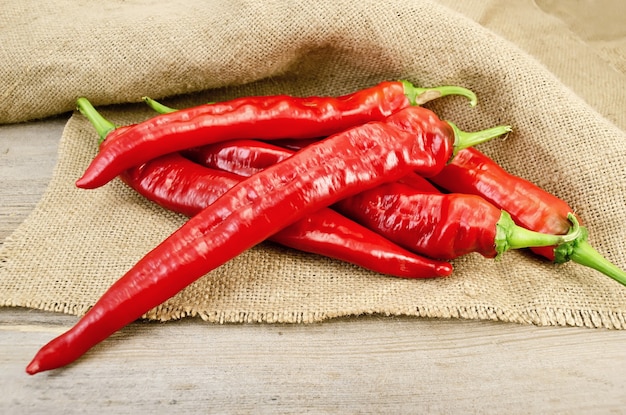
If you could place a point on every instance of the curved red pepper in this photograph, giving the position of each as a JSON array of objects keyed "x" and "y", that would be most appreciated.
[
  {"x": 442, "y": 226},
  {"x": 256, "y": 208},
  {"x": 474, "y": 173},
  {"x": 411, "y": 212},
  {"x": 183, "y": 186},
  {"x": 530, "y": 206},
  {"x": 270, "y": 117},
  {"x": 180, "y": 185}
]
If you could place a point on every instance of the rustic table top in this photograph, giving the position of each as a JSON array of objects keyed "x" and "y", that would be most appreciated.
[{"x": 350, "y": 365}]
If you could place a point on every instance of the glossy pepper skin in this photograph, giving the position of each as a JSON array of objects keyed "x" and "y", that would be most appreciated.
[
  {"x": 447, "y": 228},
  {"x": 442, "y": 226},
  {"x": 183, "y": 186},
  {"x": 413, "y": 139},
  {"x": 473, "y": 172},
  {"x": 178, "y": 184},
  {"x": 242, "y": 157},
  {"x": 247, "y": 157},
  {"x": 269, "y": 117},
  {"x": 411, "y": 212}
]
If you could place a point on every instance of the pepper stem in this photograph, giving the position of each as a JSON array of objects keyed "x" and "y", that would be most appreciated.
[
  {"x": 581, "y": 252},
  {"x": 157, "y": 106},
  {"x": 511, "y": 236},
  {"x": 585, "y": 254},
  {"x": 103, "y": 126},
  {"x": 420, "y": 96},
  {"x": 463, "y": 139}
]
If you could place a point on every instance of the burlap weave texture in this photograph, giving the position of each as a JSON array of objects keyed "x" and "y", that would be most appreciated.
[{"x": 78, "y": 242}]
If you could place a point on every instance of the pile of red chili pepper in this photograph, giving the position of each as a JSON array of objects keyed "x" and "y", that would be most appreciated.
[{"x": 358, "y": 178}]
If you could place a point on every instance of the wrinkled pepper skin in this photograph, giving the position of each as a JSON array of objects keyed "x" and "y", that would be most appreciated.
[
  {"x": 183, "y": 186},
  {"x": 529, "y": 206},
  {"x": 247, "y": 157},
  {"x": 178, "y": 184},
  {"x": 411, "y": 212},
  {"x": 413, "y": 139},
  {"x": 443, "y": 226},
  {"x": 473, "y": 172},
  {"x": 271, "y": 117},
  {"x": 267, "y": 117},
  {"x": 242, "y": 157}
]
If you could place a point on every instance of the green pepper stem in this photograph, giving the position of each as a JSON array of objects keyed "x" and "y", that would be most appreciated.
[
  {"x": 584, "y": 254},
  {"x": 157, "y": 106},
  {"x": 463, "y": 139},
  {"x": 420, "y": 96},
  {"x": 511, "y": 236},
  {"x": 103, "y": 126}
]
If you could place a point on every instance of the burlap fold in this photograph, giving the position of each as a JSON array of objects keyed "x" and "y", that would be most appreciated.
[{"x": 78, "y": 242}]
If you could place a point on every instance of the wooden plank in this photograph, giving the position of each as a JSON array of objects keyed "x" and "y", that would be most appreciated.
[
  {"x": 28, "y": 154},
  {"x": 382, "y": 365}
]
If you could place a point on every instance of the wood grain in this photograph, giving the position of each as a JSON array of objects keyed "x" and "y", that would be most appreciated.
[
  {"x": 28, "y": 154},
  {"x": 352, "y": 365},
  {"x": 382, "y": 365}
]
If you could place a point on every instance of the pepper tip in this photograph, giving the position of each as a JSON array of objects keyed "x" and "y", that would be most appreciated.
[
  {"x": 444, "y": 270},
  {"x": 33, "y": 367},
  {"x": 81, "y": 183}
]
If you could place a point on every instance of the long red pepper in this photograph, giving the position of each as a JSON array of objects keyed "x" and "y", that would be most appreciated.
[
  {"x": 472, "y": 172},
  {"x": 244, "y": 157},
  {"x": 413, "y": 139},
  {"x": 530, "y": 206},
  {"x": 180, "y": 185},
  {"x": 247, "y": 157},
  {"x": 183, "y": 186},
  {"x": 444, "y": 226},
  {"x": 270, "y": 117},
  {"x": 410, "y": 212}
]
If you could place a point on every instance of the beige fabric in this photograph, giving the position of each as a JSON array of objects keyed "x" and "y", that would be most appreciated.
[
  {"x": 78, "y": 242},
  {"x": 582, "y": 42}
]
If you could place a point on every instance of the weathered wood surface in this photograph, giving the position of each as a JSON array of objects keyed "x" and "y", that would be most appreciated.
[{"x": 355, "y": 365}]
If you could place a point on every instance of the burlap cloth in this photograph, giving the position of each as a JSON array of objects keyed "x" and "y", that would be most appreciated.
[{"x": 78, "y": 242}]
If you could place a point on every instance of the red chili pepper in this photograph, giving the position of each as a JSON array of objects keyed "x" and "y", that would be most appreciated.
[
  {"x": 530, "y": 206},
  {"x": 183, "y": 186},
  {"x": 409, "y": 217},
  {"x": 413, "y": 139},
  {"x": 443, "y": 226},
  {"x": 270, "y": 117},
  {"x": 406, "y": 212},
  {"x": 180, "y": 185},
  {"x": 247, "y": 157}
]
